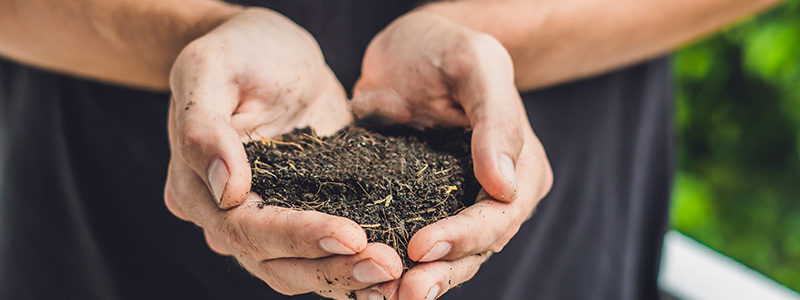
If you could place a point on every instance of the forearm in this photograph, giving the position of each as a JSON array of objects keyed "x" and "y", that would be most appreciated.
[
  {"x": 553, "y": 41},
  {"x": 128, "y": 42}
]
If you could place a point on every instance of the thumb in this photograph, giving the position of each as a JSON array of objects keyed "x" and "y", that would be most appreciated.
[
  {"x": 486, "y": 91},
  {"x": 497, "y": 140},
  {"x": 201, "y": 134}
]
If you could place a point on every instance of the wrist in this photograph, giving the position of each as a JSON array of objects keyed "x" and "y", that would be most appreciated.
[
  {"x": 189, "y": 24},
  {"x": 159, "y": 33},
  {"x": 516, "y": 31}
]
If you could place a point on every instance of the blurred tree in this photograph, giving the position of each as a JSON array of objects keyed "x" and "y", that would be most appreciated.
[{"x": 738, "y": 121}]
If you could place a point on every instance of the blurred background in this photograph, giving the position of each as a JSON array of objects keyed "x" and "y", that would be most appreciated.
[{"x": 737, "y": 188}]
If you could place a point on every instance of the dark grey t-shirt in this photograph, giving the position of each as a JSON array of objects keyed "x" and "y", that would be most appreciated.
[{"x": 83, "y": 166}]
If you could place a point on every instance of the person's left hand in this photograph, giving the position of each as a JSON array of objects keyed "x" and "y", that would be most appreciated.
[
  {"x": 425, "y": 71},
  {"x": 259, "y": 73}
]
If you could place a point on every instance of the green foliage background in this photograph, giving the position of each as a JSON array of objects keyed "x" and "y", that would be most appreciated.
[{"x": 737, "y": 188}]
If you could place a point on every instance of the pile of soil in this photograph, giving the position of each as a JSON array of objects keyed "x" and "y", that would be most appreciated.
[{"x": 392, "y": 181}]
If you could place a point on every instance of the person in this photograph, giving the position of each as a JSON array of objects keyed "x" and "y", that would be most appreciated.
[{"x": 87, "y": 134}]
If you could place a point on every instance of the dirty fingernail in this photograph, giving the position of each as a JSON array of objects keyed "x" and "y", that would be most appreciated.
[
  {"x": 333, "y": 245},
  {"x": 507, "y": 168},
  {"x": 375, "y": 295},
  {"x": 218, "y": 176},
  {"x": 438, "y": 251},
  {"x": 433, "y": 293},
  {"x": 367, "y": 271}
]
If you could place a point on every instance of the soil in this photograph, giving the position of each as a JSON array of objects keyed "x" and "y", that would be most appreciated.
[{"x": 392, "y": 181}]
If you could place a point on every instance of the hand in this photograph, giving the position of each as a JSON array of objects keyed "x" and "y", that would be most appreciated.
[
  {"x": 260, "y": 74},
  {"x": 425, "y": 70}
]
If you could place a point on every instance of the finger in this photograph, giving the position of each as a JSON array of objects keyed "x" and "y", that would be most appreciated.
[
  {"x": 487, "y": 225},
  {"x": 382, "y": 291},
  {"x": 277, "y": 232},
  {"x": 216, "y": 245},
  {"x": 376, "y": 263},
  {"x": 483, "y": 76},
  {"x": 263, "y": 233},
  {"x": 431, "y": 280},
  {"x": 202, "y": 104}
]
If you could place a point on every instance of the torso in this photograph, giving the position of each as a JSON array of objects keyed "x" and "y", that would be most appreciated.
[{"x": 84, "y": 164}]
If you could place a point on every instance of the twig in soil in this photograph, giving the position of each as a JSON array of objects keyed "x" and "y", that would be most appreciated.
[
  {"x": 429, "y": 210},
  {"x": 262, "y": 164},
  {"x": 295, "y": 169},
  {"x": 268, "y": 142},
  {"x": 251, "y": 139},
  {"x": 442, "y": 171},
  {"x": 423, "y": 169},
  {"x": 262, "y": 171},
  {"x": 449, "y": 189},
  {"x": 418, "y": 218},
  {"x": 372, "y": 141},
  {"x": 441, "y": 178},
  {"x": 386, "y": 201},
  {"x": 285, "y": 203},
  {"x": 313, "y": 138},
  {"x": 362, "y": 188},
  {"x": 315, "y": 207}
]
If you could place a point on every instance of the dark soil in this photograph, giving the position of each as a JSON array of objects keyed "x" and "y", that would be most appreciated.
[{"x": 392, "y": 181}]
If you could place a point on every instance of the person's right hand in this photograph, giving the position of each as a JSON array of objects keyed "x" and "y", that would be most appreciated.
[
  {"x": 427, "y": 71},
  {"x": 261, "y": 74}
]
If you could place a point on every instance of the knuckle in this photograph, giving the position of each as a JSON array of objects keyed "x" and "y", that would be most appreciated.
[
  {"x": 503, "y": 240},
  {"x": 467, "y": 49},
  {"x": 471, "y": 240},
  {"x": 507, "y": 230},
  {"x": 194, "y": 58},
  {"x": 190, "y": 137},
  {"x": 471, "y": 271},
  {"x": 292, "y": 233},
  {"x": 199, "y": 53},
  {"x": 172, "y": 200},
  {"x": 171, "y": 203},
  {"x": 547, "y": 182},
  {"x": 460, "y": 60},
  {"x": 278, "y": 279},
  {"x": 513, "y": 128},
  {"x": 239, "y": 238},
  {"x": 169, "y": 197},
  {"x": 214, "y": 246},
  {"x": 486, "y": 46},
  {"x": 216, "y": 249},
  {"x": 498, "y": 245}
]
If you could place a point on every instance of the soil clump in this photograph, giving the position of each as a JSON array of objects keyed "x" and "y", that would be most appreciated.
[{"x": 392, "y": 181}]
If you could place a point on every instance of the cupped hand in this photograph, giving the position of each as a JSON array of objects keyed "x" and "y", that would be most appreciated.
[
  {"x": 259, "y": 74},
  {"x": 427, "y": 71}
]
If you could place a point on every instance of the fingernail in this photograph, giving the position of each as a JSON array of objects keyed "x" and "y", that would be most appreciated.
[
  {"x": 367, "y": 271},
  {"x": 375, "y": 295},
  {"x": 333, "y": 245},
  {"x": 433, "y": 293},
  {"x": 507, "y": 168},
  {"x": 438, "y": 251},
  {"x": 218, "y": 176}
]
